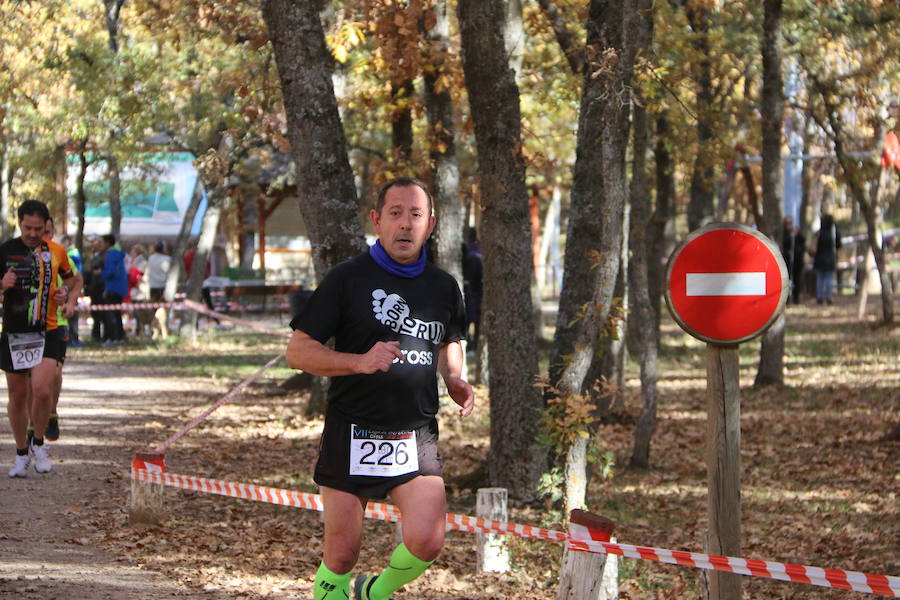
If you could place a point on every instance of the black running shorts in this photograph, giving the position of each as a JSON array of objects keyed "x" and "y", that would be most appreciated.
[
  {"x": 55, "y": 342},
  {"x": 333, "y": 467}
]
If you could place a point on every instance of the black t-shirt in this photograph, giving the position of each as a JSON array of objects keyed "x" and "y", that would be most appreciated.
[
  {"x": 22, "y": 302},
  {"x": 359, "y": 303}
]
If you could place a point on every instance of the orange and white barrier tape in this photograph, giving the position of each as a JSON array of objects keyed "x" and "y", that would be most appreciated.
[{"x": 588, "y": 541}]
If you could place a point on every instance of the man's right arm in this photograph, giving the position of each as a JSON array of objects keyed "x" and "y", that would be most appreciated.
[{"x": 310, "y": 355}]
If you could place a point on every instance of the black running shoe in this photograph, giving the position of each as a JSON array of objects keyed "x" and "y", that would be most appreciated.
[{"x": 51, "y": 434}]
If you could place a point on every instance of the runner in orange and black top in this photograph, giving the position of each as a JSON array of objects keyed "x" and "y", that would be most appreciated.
[{"x": 31, "y": 345}]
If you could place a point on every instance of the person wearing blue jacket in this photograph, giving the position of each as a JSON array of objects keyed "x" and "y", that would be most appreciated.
[{"x": 115, "y": 281}]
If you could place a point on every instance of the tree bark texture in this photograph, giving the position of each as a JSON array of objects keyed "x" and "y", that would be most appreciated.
[
  {"x": 115, "y": 196},
  {"x": 402, "y": 120},
  {"x": 574, "y": 55},
  {"x": 176, "y": 252},
  {"x": 80, "y": 198},
  {"x": 327, "y": 196},
  {"x": 602, "y": 142},
  {"x": 702, "y": 193},
  {"x": 771, "y": 352},
  {"x": 449, "y": 208},
  {"x": 659, "y": 228},
  {"x": 642, "y": 324},
  {"x": 513, "y": 461},
  {"x": 584, "y": 229}
]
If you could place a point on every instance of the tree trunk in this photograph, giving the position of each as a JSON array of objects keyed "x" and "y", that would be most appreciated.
[
  {"x": 250, "y": 222},
  {"x": 573, "y": 54},
  {"x": 610, "y": 46},
  {"x": 771, "y": 353},
  {"x": 327, "y": 196},
  {"x": 215, "y": 200},
  {"x": 584, "y": 229},
  {"x": 870, "y": 210},
  {"x": 402, "y": 120},
  {"x": 6, "y": 230},
  {"x": 659, "y": 227},
  {"x": 702, "y": 194},
  {"x": 181, "y": 242},
  {"x": 113, "y": 8},
  {"x": 641, "y": 321},
  {"x": 60, "y": 204},
  {"x": 115, "y": 196},
  {"x": 513, "y": 461},
  {"x": 80, "y": 198},
  {"x": 445, "y": 187}
]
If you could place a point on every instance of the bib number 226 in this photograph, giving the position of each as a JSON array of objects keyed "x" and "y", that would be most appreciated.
[{"x": 382, "y": 453}]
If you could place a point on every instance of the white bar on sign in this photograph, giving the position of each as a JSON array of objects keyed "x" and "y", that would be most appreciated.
[{"x": 726, "y": 284}]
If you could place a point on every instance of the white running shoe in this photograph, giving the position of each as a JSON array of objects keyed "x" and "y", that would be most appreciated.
[
  {"x": 20, "y": 467},
  {"x": 42, "y": 462}
]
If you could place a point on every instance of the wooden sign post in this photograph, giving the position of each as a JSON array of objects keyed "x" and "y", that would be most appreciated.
[{"x": 725, "y": 284}]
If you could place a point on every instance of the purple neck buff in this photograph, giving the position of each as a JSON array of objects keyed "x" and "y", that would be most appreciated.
[{"x": 383, "y": 260}]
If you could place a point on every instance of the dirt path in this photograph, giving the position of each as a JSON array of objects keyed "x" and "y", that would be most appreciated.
[{"x": 48, "y": 530}]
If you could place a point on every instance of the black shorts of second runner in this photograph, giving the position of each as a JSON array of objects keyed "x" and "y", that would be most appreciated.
[
  {"x": 55, "y": 342},
  {"x": 333, "y": 466}
]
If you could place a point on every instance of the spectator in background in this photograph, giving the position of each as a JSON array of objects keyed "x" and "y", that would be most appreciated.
[
  {"x": 472, "y": 290},
  {"x": 157, "y": 270},
  {"x": 188, "y": 259},
  {"x": 136, "y": 261},
  {"x": 75, "y": 259},
  {"x": 827, "y": 242},
  {"x": 793, "y": 247},
  {"x": 115, "y": 289},
  {"x": 139, "y": 289},
  {"x": 94, "y": 286}
]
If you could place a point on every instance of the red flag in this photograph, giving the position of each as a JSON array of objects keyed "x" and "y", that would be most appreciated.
[{"x": 891, "y": 153}]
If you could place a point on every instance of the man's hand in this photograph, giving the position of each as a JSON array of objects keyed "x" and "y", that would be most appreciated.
[
  {"x": 61, "y": 295},
  {"x": 461, "y": 393},
  {"x": 379, "y": 357},
  {"x": 68, "y": 310},
  {"x": 9, "y": 279}
]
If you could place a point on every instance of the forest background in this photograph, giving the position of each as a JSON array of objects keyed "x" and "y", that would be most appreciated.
[{"x": 638, "y": 121}]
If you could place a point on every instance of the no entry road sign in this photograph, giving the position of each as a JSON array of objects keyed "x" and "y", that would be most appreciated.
[{"x": 726, "y": 283}]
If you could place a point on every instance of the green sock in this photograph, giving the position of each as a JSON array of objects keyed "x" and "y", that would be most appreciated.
[
  {"x": 403, "y": 568},
  {"x": 331, "y": 585}
]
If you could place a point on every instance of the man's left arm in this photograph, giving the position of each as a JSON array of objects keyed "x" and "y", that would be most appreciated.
[
  {"x": 75, "y": 285},
  {"x": 450, "y": 363}
]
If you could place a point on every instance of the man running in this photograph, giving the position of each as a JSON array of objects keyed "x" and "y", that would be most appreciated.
[
  {"x": 396, "y": 321},
  {"x": 31, "y": 345}
]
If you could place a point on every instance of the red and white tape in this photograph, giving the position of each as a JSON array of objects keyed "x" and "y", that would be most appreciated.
[
  {"x": 128, "y": 306},
  {"x": 202, "y": 309},
  {"x": 235, "y": 391},
  {"x": 884, "y": 585}
]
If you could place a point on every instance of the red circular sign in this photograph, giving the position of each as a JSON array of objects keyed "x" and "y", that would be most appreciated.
[{"x": 726, "y": 283}]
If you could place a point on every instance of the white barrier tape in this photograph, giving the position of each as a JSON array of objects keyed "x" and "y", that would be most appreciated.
[{"x": 884, "y": 585}]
